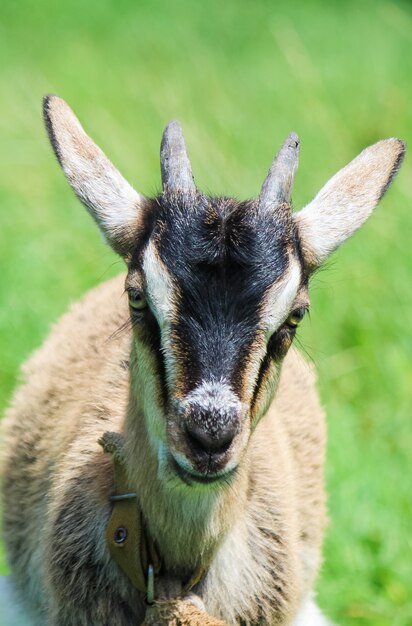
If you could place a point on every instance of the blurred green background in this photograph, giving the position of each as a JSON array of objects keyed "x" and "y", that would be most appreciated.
[{"x": 239, "y": 76}]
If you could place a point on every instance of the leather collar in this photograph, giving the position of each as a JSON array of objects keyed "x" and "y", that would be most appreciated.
[{"x": 127, "y": 535}]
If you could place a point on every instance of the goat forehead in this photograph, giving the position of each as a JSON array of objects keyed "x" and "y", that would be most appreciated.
[
  {"x": 220, "y": 243},
  {"x": 215, "y": 260}
]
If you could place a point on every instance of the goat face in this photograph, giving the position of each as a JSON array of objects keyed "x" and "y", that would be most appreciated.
[
  {"x": 215, "y": 296},
  {"x": 216, "y": 287}
]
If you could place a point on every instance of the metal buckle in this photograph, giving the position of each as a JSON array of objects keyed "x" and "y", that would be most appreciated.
[
  {"x": 122, "y": 496},
  {"x": 150, "y": 585}
]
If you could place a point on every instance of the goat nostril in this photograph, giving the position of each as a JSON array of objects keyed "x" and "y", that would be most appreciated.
[{"x": 200, "y": 440}]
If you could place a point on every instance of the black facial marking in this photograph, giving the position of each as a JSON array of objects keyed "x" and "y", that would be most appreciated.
[
  {"x": 50, "y": 129},
  {"x": 395, "y": 169},
  {"x": 263, "y": 370},
  {"x": 224, "y": 255}
]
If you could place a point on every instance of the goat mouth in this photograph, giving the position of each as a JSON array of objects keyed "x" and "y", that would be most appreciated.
[{"x": 190, "y": 478}]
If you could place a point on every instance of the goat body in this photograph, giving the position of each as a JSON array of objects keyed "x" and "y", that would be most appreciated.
[{"x": 266, "y": 528}]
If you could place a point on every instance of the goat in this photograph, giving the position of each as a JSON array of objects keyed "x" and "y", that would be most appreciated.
[{"x": 221, "y": 431}]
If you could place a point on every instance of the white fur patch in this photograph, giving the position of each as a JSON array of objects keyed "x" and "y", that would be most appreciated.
[
  {"x": 214, "y": 395},
  {"x": 159, "y": 286},
  {"x": 310, "y": 615},
  {"x": 231, "y": 587},
  {"x": 145, "y": 388},
  {"x": 280, "y": 297},
  {"x": 160, "y": 291}
]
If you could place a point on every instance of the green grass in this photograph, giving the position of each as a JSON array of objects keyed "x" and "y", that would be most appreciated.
[{"x": 239, "y": 76}]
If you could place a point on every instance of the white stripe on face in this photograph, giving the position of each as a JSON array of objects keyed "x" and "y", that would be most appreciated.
[
  {"x": 159, "y": 286},
  {"x": 160, "y": 293},
  {"x": 280, "y": 297},
  {"x": 276, "y": 308}
]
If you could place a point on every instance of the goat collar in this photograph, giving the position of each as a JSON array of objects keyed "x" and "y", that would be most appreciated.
[{"x": 127, "y": 535}]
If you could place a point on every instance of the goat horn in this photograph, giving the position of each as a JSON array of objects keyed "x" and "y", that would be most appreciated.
[
  {"x": 174, "y": 162},
  {"x": 277, "y": 188}
]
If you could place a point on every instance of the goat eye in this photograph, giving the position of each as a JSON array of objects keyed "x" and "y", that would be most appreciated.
[
  {"x": 295, "y": 318},
  {"x": 137, "y": 301}
]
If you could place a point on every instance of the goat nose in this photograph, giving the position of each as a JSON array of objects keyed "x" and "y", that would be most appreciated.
[{"x": 202, "y": 440}]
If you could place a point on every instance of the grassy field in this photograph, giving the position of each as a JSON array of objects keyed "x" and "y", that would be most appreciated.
[{"x": 239, "y": 75}]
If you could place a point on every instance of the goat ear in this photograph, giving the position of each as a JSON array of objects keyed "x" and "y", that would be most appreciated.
[
  {"x": 111, "y": 201},
  {"x": 347, "y": 200}
]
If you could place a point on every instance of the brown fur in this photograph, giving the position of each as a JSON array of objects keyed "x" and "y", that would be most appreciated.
[
  {"x": 179, "y": 613},
  {"x": 57, "y": 481},
  {"x": 176, "y": 609}
]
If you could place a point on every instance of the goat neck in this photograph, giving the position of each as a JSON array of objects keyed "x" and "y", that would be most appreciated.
[{"x": 187, "y": 523}]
